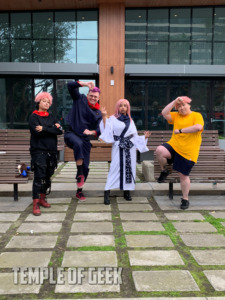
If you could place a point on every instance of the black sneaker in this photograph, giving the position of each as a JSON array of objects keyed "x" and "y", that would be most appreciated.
[
  {"x": 163, "y": 176},
  {"x": 184, "y": 204}
]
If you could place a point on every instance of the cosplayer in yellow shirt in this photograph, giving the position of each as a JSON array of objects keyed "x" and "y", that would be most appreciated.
[{"x": 183, "y": 148}]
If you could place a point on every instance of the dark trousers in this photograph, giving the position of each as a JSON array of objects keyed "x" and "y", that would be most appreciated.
[
  {"x": 81, "y": 148},
  {"x": 43, "y": 164}
]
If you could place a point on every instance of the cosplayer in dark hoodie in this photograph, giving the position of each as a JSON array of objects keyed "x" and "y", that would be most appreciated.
[
  {"x": 83, "y": 120},
  {"x": 43, "y": 148}
]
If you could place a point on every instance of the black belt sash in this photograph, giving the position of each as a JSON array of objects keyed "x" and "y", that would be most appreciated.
[{"x": 125, "y": 144}]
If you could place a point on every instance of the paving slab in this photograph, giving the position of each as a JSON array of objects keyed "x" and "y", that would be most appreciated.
[
  {"x": 9, "y": 217},
  {"x": 87, "y": 285},
  {"x": 216, "y": 278},
  {"x": 25, "y": 259},
  {"x": 203, "y": 240},
  {"x": 187, "y": 216},
  {"x": 134, "y": 200},
  {"x": 196, "y": 202},
  {"x": 105, "y": 216},
  {"x": 92, "y": 200},
  {"x": 209, "y": 257},
  {"x": 148, "y": 241},
  {"x": 89, "y": 259},
  {"x": 218, "y": 215},
  {"x": 93, "y": 207},
  {"x": 194, "y": 227},
  {"x": 54, "y": 208},
  {"x": 43, "y": 241},
  {"x": 39, "y": 227},
  {"x": 90, "y": 240},
  {"x": 136, "y": 216},
  {"x": 92, "y": 227},
  {"x": 142, "y": 226},
  {"x": 154, "y": 258},
  {"x": 8, "y": 204},
  {"x": 150, "y": 281},
  {"x": 134, "y": 207},
  {"x": 4, "y": 227},
  {"x": 46, "y": 217},
  {"x": 8, "y": 287},
  {"x": 59, "y": 200}
]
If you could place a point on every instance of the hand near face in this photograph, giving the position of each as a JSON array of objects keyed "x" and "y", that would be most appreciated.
[{"x": 147, "y": 134}]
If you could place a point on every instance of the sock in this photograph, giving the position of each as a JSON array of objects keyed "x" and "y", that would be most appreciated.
[
  {"x": 79, "y": 190},
  {"x": 79, "y": 170}
]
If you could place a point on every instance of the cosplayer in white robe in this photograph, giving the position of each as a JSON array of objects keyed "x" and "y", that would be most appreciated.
[{"x": 115, "y": 127}]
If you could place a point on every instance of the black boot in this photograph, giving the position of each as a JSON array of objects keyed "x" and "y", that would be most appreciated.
[
  {"x": 127, "y": 196},
  {"x": 106, "y": 197}
]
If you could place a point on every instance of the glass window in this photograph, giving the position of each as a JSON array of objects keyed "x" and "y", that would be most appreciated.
[
  {"x": 219, "y": 107},
  {"x": 219, "y": 24},
  {"x": 202, "y": 24},
  {"x": 136, "y": 24},
  {"x": 179, "y": 53},
  {"x": 4, "y": 26},
  {"x": 43, "y": 25},
  {"x": 87, "y": 52},
  {"x": 218, "y": 54},
  {"x": 44, "y": 85},
  {"x": 4, "y": 50},
  {"x": 65, "y": 25},
  {"x": 135, "y": 52},
  {"x": 43, "y": 51},
  {"x": 201, "y": 53},
  {"x": 180, "y": 24},
  {"x": 178, "y": 88},
  {"x": 20, "y": 25},
  {"x": 21, "y": 51},
  {"x": 157, "y": 53},
  {"x": 65, "y": 51},
  {"x": 3, "y": 118},
  {"x": 87, "y": 25},
  {"x": 158, "y": 24}
]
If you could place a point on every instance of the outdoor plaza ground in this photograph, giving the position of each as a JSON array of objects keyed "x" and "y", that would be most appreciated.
[{"x": 146, "y": 248}]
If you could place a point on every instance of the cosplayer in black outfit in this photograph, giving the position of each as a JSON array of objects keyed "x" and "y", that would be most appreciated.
[
  {"x": 83, "y": 120},
  {"x": 43, "y": 148}
]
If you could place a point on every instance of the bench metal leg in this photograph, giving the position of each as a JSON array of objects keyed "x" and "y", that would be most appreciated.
[
  {"x": 15, "y": 192},
  {"x": 171, "y": 190}
]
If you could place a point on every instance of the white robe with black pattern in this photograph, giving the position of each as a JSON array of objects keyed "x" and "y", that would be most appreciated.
[{"x": 113, "y": 127}]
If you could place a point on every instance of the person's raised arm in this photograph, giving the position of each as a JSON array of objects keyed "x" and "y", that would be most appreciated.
[{"x": 166, "y": 111}]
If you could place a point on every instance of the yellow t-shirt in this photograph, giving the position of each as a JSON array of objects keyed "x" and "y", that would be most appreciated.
[{"x": 186, "y": 144}]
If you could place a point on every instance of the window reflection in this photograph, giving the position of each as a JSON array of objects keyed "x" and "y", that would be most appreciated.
[
  {"x": 87, "y": 25},
  {"x": 87, "y": 52},
  {"x": 20, "y": 25}
]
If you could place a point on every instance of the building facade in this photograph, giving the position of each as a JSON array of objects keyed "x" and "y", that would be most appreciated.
[{"x": 149, "y": 52}]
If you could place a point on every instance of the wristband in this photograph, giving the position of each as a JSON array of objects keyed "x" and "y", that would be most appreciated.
[{"x": 180, "y": 130}]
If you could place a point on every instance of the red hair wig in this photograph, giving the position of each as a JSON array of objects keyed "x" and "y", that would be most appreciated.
[{"x": 43, "y": 95}]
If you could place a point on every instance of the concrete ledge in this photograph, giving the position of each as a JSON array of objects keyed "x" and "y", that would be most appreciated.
[{"x": 148, "y": 170}]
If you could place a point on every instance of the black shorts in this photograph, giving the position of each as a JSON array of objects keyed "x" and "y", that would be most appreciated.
[{"x": 180, "y": 164}]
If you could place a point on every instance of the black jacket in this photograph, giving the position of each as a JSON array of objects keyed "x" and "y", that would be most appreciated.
[{"x": 46, "y": 140}]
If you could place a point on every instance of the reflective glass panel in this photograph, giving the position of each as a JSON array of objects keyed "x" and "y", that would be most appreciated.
[
  {"x": 65, "y": 51},
  {"x": 219, "y": 24},
  {"x": 21, "y": 50},
  {"x": 87, "y": 52},
  {"x": 65, "y": 25},
  {"x": 87, "y": 25},
  {"x": 3, "y": 117},
  {"x": 43, "y": 51},
  {"x": 158, "y": 24},
  {"x": 4, "y": 50},
  {"x": 202, "y": 24},
  {"x": 201, "y": 53},
  {"x": 219, "y": 54},
  {"x": 20, "y": 25},
  {"x": 180, "y": 24},
  {"x": 219, "y": 107},
  {"x": 136, "y": 24},
  {"x": 157, "y": 53},
  {"x": 178, "y": 88},
  {"x": 179, "y": 52},
  {"x": 135, "y": 52},
  {"x": 43, "y": 25},
  {"x": 4, "y": 26}
]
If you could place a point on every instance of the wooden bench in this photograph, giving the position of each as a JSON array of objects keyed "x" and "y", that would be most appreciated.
[
  {"x": 14, "y": 150},
  {"x": 211, "y": 162}
]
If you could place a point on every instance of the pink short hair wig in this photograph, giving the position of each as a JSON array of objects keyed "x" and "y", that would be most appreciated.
[
  {"x": 43, "y": 95},
  {"x": 185, "y": 99},
  {"x": 95, "y": 90},
  {"x": 117, "y": 113}
]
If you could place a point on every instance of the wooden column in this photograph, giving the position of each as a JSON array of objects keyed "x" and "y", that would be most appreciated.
[{"x": 111, "y": 53}]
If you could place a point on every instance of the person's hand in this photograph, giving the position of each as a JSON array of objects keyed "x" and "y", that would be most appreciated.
[
  {"x": 104, "y": 112},
  {"x": 147, "y": 134},
  {"x": 57, "y": 125},
  {"x": 176, "y": 131},
  {"x": 89, "y": 84},
  {"x": 89, "y": 132},
  {"x": 39, "y": 128},
  {"x": 178, "y": 101}
]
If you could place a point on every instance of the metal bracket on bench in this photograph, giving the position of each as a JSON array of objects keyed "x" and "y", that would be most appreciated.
[
  {"x": 171, "y": 190},
  {"x": 15, "y": 191}
]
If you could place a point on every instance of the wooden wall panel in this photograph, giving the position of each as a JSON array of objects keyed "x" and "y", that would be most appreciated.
[{"x": 111, "y": 53}]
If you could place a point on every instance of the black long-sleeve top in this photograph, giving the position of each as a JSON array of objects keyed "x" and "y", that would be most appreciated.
[
  {"x": 46, "y": 140},
  {"x": 81, "y": 116}
]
